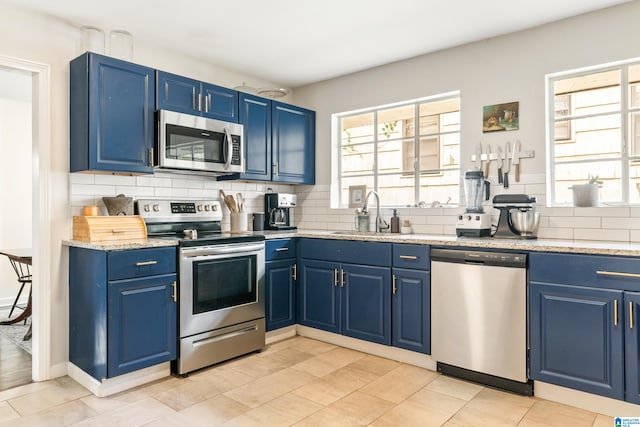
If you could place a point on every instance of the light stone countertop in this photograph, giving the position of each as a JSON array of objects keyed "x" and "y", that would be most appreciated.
[{"x": 530, "y": 245}]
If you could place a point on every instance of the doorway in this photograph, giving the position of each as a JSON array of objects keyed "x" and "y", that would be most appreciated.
[{"x": 36, "y": 171}]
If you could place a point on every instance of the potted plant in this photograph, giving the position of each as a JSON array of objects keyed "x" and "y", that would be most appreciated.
[{"x": 585, "y": 195}]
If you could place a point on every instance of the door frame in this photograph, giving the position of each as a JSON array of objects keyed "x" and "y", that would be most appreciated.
[{"x": 41, "y": 230}]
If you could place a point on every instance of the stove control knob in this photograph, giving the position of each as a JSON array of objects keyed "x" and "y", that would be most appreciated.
[
  {"x": 477, "y": 217},
  {"x": 147, "y": 208},
  {"x": 459, "y": 217},
  {"x": 199, "y": 208},
  {"x": 468, "y": 217},
  {"x": 156, "y": 208},
  {"x": 207, "y": 208},
  {"x": 214, "y": 208}
]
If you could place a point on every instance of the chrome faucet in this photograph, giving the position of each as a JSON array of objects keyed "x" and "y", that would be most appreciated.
[{"x": 380, "y": 223}]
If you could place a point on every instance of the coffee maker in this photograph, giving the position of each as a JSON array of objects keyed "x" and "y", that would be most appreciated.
[
  {"x": 278, "y": 207},
  {"x": 475, "y": 222}
]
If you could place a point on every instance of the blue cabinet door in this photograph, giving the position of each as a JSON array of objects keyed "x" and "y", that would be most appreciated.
[
  {"x": 319, "y": 295},
  {"x": 632, "y": 346},
  {"x": 141, "y": 323},
  {"x": 219, "y": 103},
  {"x": 280, "y": 293},
  {"x": 293, "y": 144},
  {"x": 576, "y": 340},
  {"x": 112, "y": 106},
  {"x": 255, "y": 115},
  {"x": 178, "y": 93},
  {"x": 411, "y": 310},
  {"x": 366, "y": 302}
]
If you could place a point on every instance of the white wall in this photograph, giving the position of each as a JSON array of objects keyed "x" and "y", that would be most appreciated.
[
  {"x": 15, "y": 174},
  {"x": 502, "y": 69}
]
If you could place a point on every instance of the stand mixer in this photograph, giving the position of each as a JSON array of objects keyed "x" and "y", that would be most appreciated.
[
  {"x": 518, "y": 218},
  {"x": 475, "y": 222}
]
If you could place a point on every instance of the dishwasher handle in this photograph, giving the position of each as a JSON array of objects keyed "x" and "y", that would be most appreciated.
[{"x": 463, "y": 256}]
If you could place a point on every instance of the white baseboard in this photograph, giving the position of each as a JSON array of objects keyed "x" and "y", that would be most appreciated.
[
  {"x": 587, "y": 401},
  {"x": 109, "y": 386},
  {"x": 280, "y": 334}
]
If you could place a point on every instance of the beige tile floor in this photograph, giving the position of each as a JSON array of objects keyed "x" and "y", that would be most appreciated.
[{"x": 296, "y": 382}]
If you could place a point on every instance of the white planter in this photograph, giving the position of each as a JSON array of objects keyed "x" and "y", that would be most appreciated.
[{"x": 585, "y": 195}]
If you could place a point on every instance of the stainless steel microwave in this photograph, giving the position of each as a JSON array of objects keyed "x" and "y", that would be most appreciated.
[{"x": 194, "y": 143}]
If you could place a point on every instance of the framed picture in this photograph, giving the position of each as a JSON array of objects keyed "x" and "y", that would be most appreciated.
[
  {"x": 500, "y": 117},
  {"x": 356, "y": 195}
]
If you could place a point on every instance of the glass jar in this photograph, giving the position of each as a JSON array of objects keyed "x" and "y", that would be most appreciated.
[
  {"x": 121, "y": 44},
  {"x": 92, "y": 40}
]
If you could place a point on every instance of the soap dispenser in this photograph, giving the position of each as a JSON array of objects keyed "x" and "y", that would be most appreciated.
[{"x": 395, "y": 222}]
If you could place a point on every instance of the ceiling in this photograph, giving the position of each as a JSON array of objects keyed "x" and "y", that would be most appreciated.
[{"x": 296, "y": 42}]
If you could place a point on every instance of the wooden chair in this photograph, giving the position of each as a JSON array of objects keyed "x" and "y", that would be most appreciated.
[{"x": 24, "y": 277}]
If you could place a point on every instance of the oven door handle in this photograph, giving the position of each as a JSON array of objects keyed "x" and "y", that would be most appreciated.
[{"x": 222, "y": 250}]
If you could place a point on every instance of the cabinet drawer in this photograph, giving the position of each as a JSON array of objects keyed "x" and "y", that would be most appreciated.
[
  {"x": 280, "y": 249},
  {"x": 585, "y": 270},
  {"x": 140, "y": 262},
  {"x": 411, "y": 256},
  {"x": 347, "y": 251}
]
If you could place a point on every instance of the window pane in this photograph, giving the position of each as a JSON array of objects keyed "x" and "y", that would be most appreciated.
[
  {"x": 357, "y": 159},
  {"x": 391, "y": 157},
  {"x": 442, "y": 188},
  {"x": 396, "y": 190},
  {"x": 357, "y": 129},
  {"x": 593, "y": 137},
  {"x": 392, "y": 123},
  {"x": 607, "y": 172},
  {"x": 430, "y": 153},
  {"x": 440, "y": 116},
  {"x": 634, "y": 86},
  {"x": 634, "y": 139},
  {"x": 591, "y": 94}
]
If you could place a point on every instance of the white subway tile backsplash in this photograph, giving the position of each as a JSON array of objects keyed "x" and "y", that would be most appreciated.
[
  {"x": 601, "y": 234},
  {"x": 621, "y": 223},
  {"x": 575, "y": 222},
  {"x": 602, "y": 211},
  {"x": 555, "y": 233},
  {"x": 114, "y": 180},
  {"x": 93, "y": 190},
  {"x": 81, "y": 178}
]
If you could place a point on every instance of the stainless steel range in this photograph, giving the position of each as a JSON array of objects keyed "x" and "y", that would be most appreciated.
[{"x": 221, "y": 282}]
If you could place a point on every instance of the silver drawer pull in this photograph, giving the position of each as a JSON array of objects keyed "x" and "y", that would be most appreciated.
[
  {"x": 282, "y": 249},
  {"x": 142, "y": 264},
  {"x": 408, "y": 257},
  {"x": 617, "y": 274}
]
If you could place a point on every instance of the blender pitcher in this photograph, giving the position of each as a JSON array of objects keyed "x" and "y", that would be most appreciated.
[{"x": 475, "y": 187}]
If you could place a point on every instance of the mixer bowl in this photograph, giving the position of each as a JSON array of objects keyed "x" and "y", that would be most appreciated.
[{"x": 525, "y": 222}]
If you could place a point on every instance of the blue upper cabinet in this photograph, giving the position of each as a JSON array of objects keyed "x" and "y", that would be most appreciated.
[
  {"x": 293, "y": 144},
  {"x": 185, "y": 95},
  {"x": 255, "y": 116},
  {"x": 112, "y": 106}
]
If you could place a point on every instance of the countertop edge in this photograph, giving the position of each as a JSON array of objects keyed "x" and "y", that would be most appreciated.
[{"x": 127, "y": 244}]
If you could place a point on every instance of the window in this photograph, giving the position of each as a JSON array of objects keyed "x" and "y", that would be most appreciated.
[
  {"x": 408, "y": 152},
  {"x": 594, "y": 131}
]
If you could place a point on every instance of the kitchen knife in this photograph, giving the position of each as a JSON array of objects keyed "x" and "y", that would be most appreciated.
[
  {"x": 516, "y": 160},
  {"x": 486, "y": 166},
  {"x": 506, "y": 166},
  {"x": 478, "y": 156},
  {"x": 499, "y": 163}
]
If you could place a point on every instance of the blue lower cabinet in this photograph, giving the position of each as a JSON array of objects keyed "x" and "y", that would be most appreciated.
[
  {"x": 280, "y": 287},
  {"x": 353, "y": 300},
  {"x": 577, "y": 338},
  {"x": 411, "y": 308},
  {"x": 319, "y": 295},
  {"x": 632, "y": 346},
  {"x": 120, "y": 326},
  {"x": 366, "y": 303}
]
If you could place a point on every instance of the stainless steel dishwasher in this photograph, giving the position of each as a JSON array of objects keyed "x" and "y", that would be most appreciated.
[{"x": 479, "y": 317}]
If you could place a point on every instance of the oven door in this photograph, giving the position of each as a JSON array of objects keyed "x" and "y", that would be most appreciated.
[
  {"x": 198, "y": 143},
  {"x": 220, "y": 285}
]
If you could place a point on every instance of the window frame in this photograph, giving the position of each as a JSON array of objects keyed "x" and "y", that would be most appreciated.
[
  {"x": 624, "y": 159},
  {"x": 416, "y": 173}
]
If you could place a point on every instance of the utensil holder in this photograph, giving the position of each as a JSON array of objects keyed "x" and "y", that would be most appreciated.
[{"x": 238, "y": 222}]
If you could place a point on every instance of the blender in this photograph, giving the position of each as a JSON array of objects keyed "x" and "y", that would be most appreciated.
[{"x": 475, "y": 222}]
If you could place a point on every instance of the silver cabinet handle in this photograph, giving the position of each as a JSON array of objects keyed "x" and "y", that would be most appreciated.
[
  {"x": 282, "y": 249},
  {"x": 143, "y": 263},
  {"x": 207, "y": 102},
  {"x": 408, "y": 257},
  {"x": 617, "y": 274},
  {"x": 199, "y": 102},
  {"x": 342, "y": 281},
  {"x": 295, "y": 272},
  {"x": 394, "y": 289},
  {"x": 151, "y": 157},
  {"x": 175, "y": 294},
  {"x": 615, "y": 312},
  {"x": 335, "y": 277},
  {"x": 630, "y": 314}
]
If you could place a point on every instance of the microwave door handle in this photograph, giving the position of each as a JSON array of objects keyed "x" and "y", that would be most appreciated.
[{"x": 229, "y": 153}]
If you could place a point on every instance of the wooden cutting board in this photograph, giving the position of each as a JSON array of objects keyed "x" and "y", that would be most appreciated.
[{"x": 109, "y": 228}]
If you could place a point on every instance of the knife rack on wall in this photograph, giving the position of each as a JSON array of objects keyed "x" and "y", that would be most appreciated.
[{"x": 504, "y": 156}]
